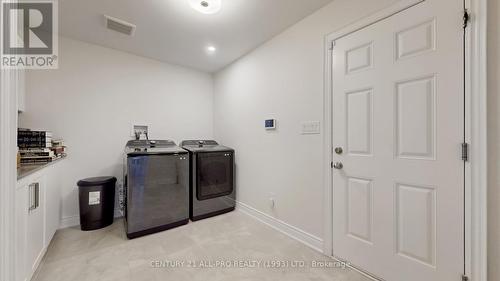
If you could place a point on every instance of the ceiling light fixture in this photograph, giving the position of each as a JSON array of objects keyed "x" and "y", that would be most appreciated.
[
  {"x": 211, "y": 49},
  {"x": 206, "y": 6}
]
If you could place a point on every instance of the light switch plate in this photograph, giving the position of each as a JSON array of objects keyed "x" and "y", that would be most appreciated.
[{"x": 311, "y": 128}]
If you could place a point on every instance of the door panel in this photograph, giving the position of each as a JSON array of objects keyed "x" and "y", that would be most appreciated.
[
  {"x": 359, "y": 58},
  {"x": 415, "y": 102},
  {"x": 398, "y": 114},
  {"x": 359, "y": 209},
  {"x": 359, "y": 122},
  {"x": 416, "y": 223}
]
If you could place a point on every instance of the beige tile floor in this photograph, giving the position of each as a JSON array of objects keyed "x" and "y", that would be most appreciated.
[{"x": 106, "y": 254}]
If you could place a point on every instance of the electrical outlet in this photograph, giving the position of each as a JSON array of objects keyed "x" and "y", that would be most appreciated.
[
  {"x": 138, "y": 130},
  {"x": 272, "y": 201}
]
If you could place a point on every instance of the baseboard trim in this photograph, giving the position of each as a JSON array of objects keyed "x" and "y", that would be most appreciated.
[
  {"x": 305, "y": 238},
  {"x": 33, "y": 272},
  {"x": 69, "y": 222},
  {"x": 75, "y": 220}
]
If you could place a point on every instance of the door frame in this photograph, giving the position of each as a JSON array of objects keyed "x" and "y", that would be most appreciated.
[
  {"x": 8, "y": 176},
  {"x": 475, "y": 131}
]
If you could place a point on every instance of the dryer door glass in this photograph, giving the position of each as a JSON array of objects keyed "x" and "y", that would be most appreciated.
[{"x": 215, "y": 175}]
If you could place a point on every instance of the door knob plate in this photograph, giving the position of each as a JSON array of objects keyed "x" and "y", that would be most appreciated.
[{"x": 338, "y": 165}]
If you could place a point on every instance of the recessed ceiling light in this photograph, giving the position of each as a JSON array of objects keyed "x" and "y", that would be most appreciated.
[
  {"x": 206, "y": 6},
  {"x": 211, "y": 49}
]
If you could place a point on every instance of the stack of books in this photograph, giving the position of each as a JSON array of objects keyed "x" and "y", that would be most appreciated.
[
  {"x": 27, "y": 139},
  {"x": 37, "y": 147},
  {"x": 34, "y": 156},
  {"x": 58, "y": 148}
]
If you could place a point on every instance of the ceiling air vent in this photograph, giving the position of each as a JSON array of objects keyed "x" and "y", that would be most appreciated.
[{"x": 119, "y": 25}]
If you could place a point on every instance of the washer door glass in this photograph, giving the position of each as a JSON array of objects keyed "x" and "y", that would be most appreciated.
[{"x": 215, "y": 175}]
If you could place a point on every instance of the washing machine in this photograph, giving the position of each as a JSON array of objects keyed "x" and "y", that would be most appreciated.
[
  {"x": 212, "y": 182},
  {"x": 156, "y": 182}
]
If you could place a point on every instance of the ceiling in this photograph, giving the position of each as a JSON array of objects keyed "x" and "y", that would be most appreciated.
[{"x": 173, "y": 32}]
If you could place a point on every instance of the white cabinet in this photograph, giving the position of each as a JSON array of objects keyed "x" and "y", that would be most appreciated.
[
  {"x": 20, "y": 237},
  {"x": 35, "y": 227},
  {"x": 38, "y": 203},
  {"x": 53, "y": 201},
  {"x": 30, "y": 226}
]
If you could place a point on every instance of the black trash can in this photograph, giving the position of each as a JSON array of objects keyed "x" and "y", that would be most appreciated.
[{"x": 97, "y": 202}]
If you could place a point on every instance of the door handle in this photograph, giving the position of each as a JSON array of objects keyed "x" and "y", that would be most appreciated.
[
  {"x": 338, "y": 165},
  {"x": 30, "y": 195},
  {"x": 339, "y": 150},
  {"x": 34, "y": 196},
  {"x": 37, "y": 195}
]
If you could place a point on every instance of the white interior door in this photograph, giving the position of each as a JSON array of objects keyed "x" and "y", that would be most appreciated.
[{"x": 398, "y": 117}]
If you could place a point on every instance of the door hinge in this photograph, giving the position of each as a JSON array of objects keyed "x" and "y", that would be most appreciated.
[
  {"x": 466, "y": 18},
  {"x": 465, "y": 278},
  {"x": 332, "y": 44},
  {"x": 465, "y": 151}
]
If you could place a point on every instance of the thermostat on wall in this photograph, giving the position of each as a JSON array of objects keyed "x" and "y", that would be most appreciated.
[{"x": 270, "y": 124}]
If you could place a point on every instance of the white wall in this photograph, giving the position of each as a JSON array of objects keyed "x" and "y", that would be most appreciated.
[
  {"x": 283, "y": 79},
  {"x": 97, "y": 93},
  {"x": 493, "y": 140}
]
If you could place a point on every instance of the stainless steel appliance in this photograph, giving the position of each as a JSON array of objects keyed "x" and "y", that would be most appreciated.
[
  {"x": 156, "y": 187},
  {"x": 212, "y": 188}
]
